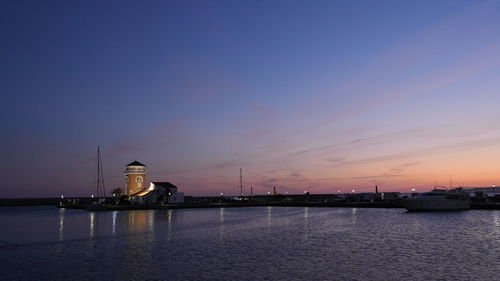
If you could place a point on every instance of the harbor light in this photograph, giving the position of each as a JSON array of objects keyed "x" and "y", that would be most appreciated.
[
  {"x": 62, "y": 196},
  {"x": 92, "y": 195},
  {"x": 268, "y": 192},
  {"x": 413, "y": 190},
  {"x": 353, "y": 191},
  {"x": 221, "y": 194}
]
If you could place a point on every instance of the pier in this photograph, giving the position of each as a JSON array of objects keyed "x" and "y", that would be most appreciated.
[{"x": 318, "y": 200}]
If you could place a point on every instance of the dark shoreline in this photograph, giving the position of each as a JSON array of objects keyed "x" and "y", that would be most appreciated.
[
  {"x": 391, "y": 205},
  {"x": 85, "y": 203},
  {"x": 237, "y": 204},
  {"x": 11, "y": 202}
]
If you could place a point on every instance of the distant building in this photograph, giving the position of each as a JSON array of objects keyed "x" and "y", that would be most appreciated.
[
  {"x": 491, "y": 193},
  {"x": 135, "y": 177},
  {"x": 155, "y": 192},
  {"x": 161, "y": 193}
]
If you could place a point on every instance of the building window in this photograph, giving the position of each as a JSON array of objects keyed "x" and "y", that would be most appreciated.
[{"x": 138, "y": 179}]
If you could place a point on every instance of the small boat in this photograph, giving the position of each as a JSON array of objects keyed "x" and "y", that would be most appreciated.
[{"x": 438, "y": 199}]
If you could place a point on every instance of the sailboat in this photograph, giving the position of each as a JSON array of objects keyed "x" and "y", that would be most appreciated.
[{"x": 100, "y": 195}]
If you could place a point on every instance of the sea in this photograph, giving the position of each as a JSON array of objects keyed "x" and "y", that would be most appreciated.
[{"x": 248, "y": 243}]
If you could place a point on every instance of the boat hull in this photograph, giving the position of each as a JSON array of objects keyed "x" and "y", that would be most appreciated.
[{"x": 416, "y": 204}]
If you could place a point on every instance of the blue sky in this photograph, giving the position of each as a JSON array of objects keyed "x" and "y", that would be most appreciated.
[{"x": 323, "y": 95}]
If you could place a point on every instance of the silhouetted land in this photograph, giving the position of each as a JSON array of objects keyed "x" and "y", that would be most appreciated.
[
  {"x": 38, "y": 201},
  {"x": 325, "y": 200}
]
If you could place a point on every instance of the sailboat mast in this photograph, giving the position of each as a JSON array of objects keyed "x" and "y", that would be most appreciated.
[
  {"x": 100, "y": 188},
  {"x": 102, "y": 177},
  {"x": 241, "y": 181},
  {"x": 98, "y": 182}
]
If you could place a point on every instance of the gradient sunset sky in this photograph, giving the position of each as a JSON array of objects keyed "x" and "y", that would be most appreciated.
[{"x": 316, "y": 95}]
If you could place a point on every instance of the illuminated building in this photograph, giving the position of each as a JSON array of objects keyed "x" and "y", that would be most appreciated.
[
  {"x": 135, "y": 177},
  {"x": 141, "y": 192}
]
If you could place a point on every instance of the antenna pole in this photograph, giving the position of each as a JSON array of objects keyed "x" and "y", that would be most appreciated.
[
  {"x": 98, "y": 174},
  {"x": 241, "y": 181},
  {"x": 102, "y": 177}
]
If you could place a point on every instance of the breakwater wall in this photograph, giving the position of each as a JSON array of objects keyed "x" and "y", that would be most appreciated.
[{"x": 6, "y": 202}]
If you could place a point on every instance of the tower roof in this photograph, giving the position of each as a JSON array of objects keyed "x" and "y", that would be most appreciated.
[{"x": 135, "y": 163}]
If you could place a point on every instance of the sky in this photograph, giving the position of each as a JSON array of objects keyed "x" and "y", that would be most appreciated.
[{"x": 323, "y": 96}]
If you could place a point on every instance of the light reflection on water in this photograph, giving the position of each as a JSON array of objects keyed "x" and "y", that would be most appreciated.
[
  {"x": 113, "y": 226},
  {"x": 221, "y": 223},
  {"x": 169, "y": 223},
  {"x": 61, "y": 224},
  {"x": 269, "y": 216},
  {"x": 273, "y": 243},
  {"x": 92, "y": 224},
  {"x": 496, "y": 221}
]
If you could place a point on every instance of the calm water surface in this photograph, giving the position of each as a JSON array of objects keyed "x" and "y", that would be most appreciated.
[{"x": 258, "y": 243}]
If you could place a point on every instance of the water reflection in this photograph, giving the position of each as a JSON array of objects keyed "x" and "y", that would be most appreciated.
[
  {"x": 151, "y": 220},
  {"x": 306, "y": 223},
  {"x": 354, "y": 250},
  {"x": 269, "y": 216},
  {"x": 354, "y": 215},
  {"x": 221, "y": 220},
  {"x": 169, "y": 223},
  {"x": 113, "y": 222},
  {"x": 496, "y": 221},
  {"x": 92, "y": 224},
  {"x": 61, "y": 223},
  {"x": 169, "y": 217},
  {"x": 138, "y": 245},
  {"x": 138, "y": 221}
]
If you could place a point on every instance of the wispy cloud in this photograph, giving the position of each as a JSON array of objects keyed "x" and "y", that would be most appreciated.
[
  {"x": 415, "y": 154},
  {"x": 377, "y": 176},
  {"x": 260, "y": 107},
  {"x": 381, "y": 137}
]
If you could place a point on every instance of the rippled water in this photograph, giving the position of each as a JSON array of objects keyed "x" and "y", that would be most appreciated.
[{"x": 258, "y": 243}]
